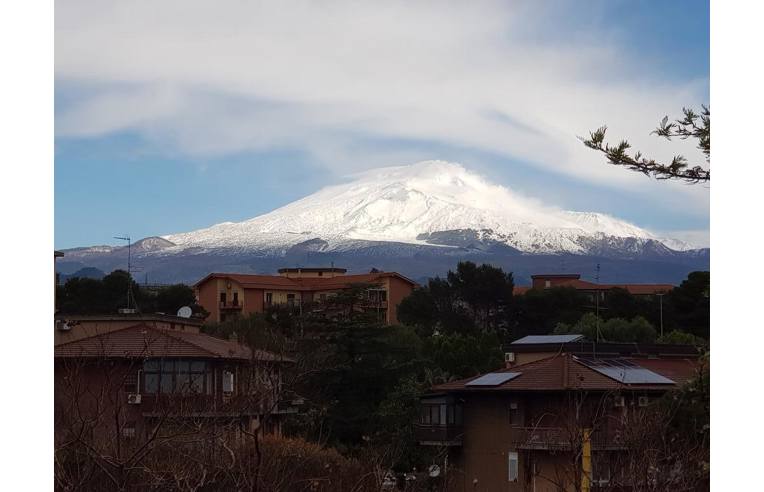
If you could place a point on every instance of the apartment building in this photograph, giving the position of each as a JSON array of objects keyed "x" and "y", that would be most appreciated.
[
  {"x": 559, "y": 416},
  {"x": 550, "y": 280},
  {"x": 225, "y": 295},
  {"x": 123, "y": 377}
]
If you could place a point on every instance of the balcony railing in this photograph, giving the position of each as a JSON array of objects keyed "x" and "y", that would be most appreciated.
[
  {"x": 558, "y": 438},
  {"x": 202, "y": 405},
  {"x": 230, "y": 305},
  {"x": 438, "y": 435}
]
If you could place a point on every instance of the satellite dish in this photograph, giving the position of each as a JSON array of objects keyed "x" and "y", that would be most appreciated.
[
  {"x": 185, "y": 312},
  {"x": 434, "y": 471}
]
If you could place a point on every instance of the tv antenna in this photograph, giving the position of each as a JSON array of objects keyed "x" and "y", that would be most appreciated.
[{"x": 129, "y": 275}]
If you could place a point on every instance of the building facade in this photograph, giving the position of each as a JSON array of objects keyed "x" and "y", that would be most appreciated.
[
  {"x": 226, "y": 295},
  {"x": 129, "y": 379},
  {"x": 559, "y": 416}
]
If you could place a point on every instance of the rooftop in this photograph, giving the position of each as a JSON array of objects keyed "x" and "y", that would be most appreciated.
[
  {"x": 564, "y": 372},
  {"x": 611, "y": 349},
  {"x": 312, "y": 270},
  {"x": 137, "y": 317},
  {"x": 536, "y": 339},
  {"x": 303, "y": 283},
  {"x": 143, "y": 340}
]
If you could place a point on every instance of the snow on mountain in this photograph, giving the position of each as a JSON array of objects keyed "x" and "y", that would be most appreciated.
[{"x": 400, "y": 204}]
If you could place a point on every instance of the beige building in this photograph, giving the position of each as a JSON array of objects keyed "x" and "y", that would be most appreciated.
[{"x": 226, "y": 295}]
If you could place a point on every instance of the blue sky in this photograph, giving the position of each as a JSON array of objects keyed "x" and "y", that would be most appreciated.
[{"x": 171, "y": 118}]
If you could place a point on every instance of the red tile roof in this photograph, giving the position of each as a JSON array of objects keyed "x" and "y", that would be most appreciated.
[
  {"x": 563, "y": 372},
  {"x": 634, "y": 289},
  {"x": 304, "y": 283},
  {"x": 142, "y": 340}
]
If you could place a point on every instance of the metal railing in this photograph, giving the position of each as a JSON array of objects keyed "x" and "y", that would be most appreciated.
[
  {"x": 445, "y": 435},
  {"x": 559, "y": 438}
]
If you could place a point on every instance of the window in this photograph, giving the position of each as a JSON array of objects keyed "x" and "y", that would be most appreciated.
[
  {"x": 128, "y": 431},
  {"x": 320, "y": 274},
  {"x": 513, "y": 466},
  {"x": 176, "y": 376},
  {"x": 514, "y": 414},
  {"x": 235, "y": 298},
  {"x": 290, "y": 300},
  {"x": 322, "y": 297},
  {"x": 222, "y": 298},
  {"x": 430, "y": 415},
  {"x": 547, "y": 284},
  {"x": 227, "y": 382},
  {"x": 454, "y": 415},
  {"x": 131, "y": 382},
  {"x": 383, "y": 295},
  {"x": 268, "y": 298}
]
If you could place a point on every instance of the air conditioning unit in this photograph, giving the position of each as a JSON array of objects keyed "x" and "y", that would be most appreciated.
[
  {"x": 134, "y": 399},
  {"x": 643, "y": 401},
  {"x": 509, "y": 356},
  {"x": 513, "y": 405},
  {"x": 62, "y": 325},
  {"x": 619, "y": 401}
]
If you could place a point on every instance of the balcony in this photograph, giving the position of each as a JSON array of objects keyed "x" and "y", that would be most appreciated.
[
  {"x": 562, "y": 439},
  {"x": 231, "y": 305},
  {"x": 202, "y": 405},
  {"x": 438, "y": 435}
]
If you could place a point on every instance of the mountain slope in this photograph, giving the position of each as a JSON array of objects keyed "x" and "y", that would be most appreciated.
[{"x": 401, "y": 204}]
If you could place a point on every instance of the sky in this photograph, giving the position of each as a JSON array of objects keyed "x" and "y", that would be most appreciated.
[{"x": 172, "y": 116}]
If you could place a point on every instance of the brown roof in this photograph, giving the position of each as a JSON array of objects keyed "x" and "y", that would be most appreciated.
[
  {"x": 304, "y": 283},
  {"x": 641, "y": 289},
  {"x": 634, "y": 289},
  {"x": 142, "y": 340},
  {"x": 563, "y": 372}
]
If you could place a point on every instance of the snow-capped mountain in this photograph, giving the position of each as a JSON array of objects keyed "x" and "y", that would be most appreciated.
[
  {"x": 419, "y": 220},
  {"x": 409, "y": 203}
]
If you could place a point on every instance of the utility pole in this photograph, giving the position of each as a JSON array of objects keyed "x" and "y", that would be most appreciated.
[{"x": 660, "y": 296}]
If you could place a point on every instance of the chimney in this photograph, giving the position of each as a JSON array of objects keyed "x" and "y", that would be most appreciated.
[{"x": 509, "y": 359}]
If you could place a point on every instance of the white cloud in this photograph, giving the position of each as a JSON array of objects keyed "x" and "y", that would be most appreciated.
[{"x": 225, "y": 76}]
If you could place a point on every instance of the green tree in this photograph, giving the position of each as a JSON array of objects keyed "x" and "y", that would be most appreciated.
[
  {"x": 486, "y": 290},
  {"x": 469, "y": 298},
  {"x": 687, "y": 307},
  {"x": 537, "y": 312},
  {"x": 172, "y": 297},
  {"x": 696, "y": 125},
  {"x": 460, "y": 355},
  {"x": 638, "y": 329}
]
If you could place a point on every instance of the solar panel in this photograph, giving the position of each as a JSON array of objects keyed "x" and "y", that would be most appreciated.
[
  {"x": 493, "y": 379},
  {"x": 548, "y": 339},
  {"x": 624, "y": 371}
]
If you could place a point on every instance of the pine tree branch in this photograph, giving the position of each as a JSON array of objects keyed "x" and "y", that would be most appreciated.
[{"x": 692, "y": 125}]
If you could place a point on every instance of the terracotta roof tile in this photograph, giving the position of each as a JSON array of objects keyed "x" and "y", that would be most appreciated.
[
  {"x": 305, "y": 283},
  {"x": 563, "y": 372},
  {"x": 146, "y": 341}
]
